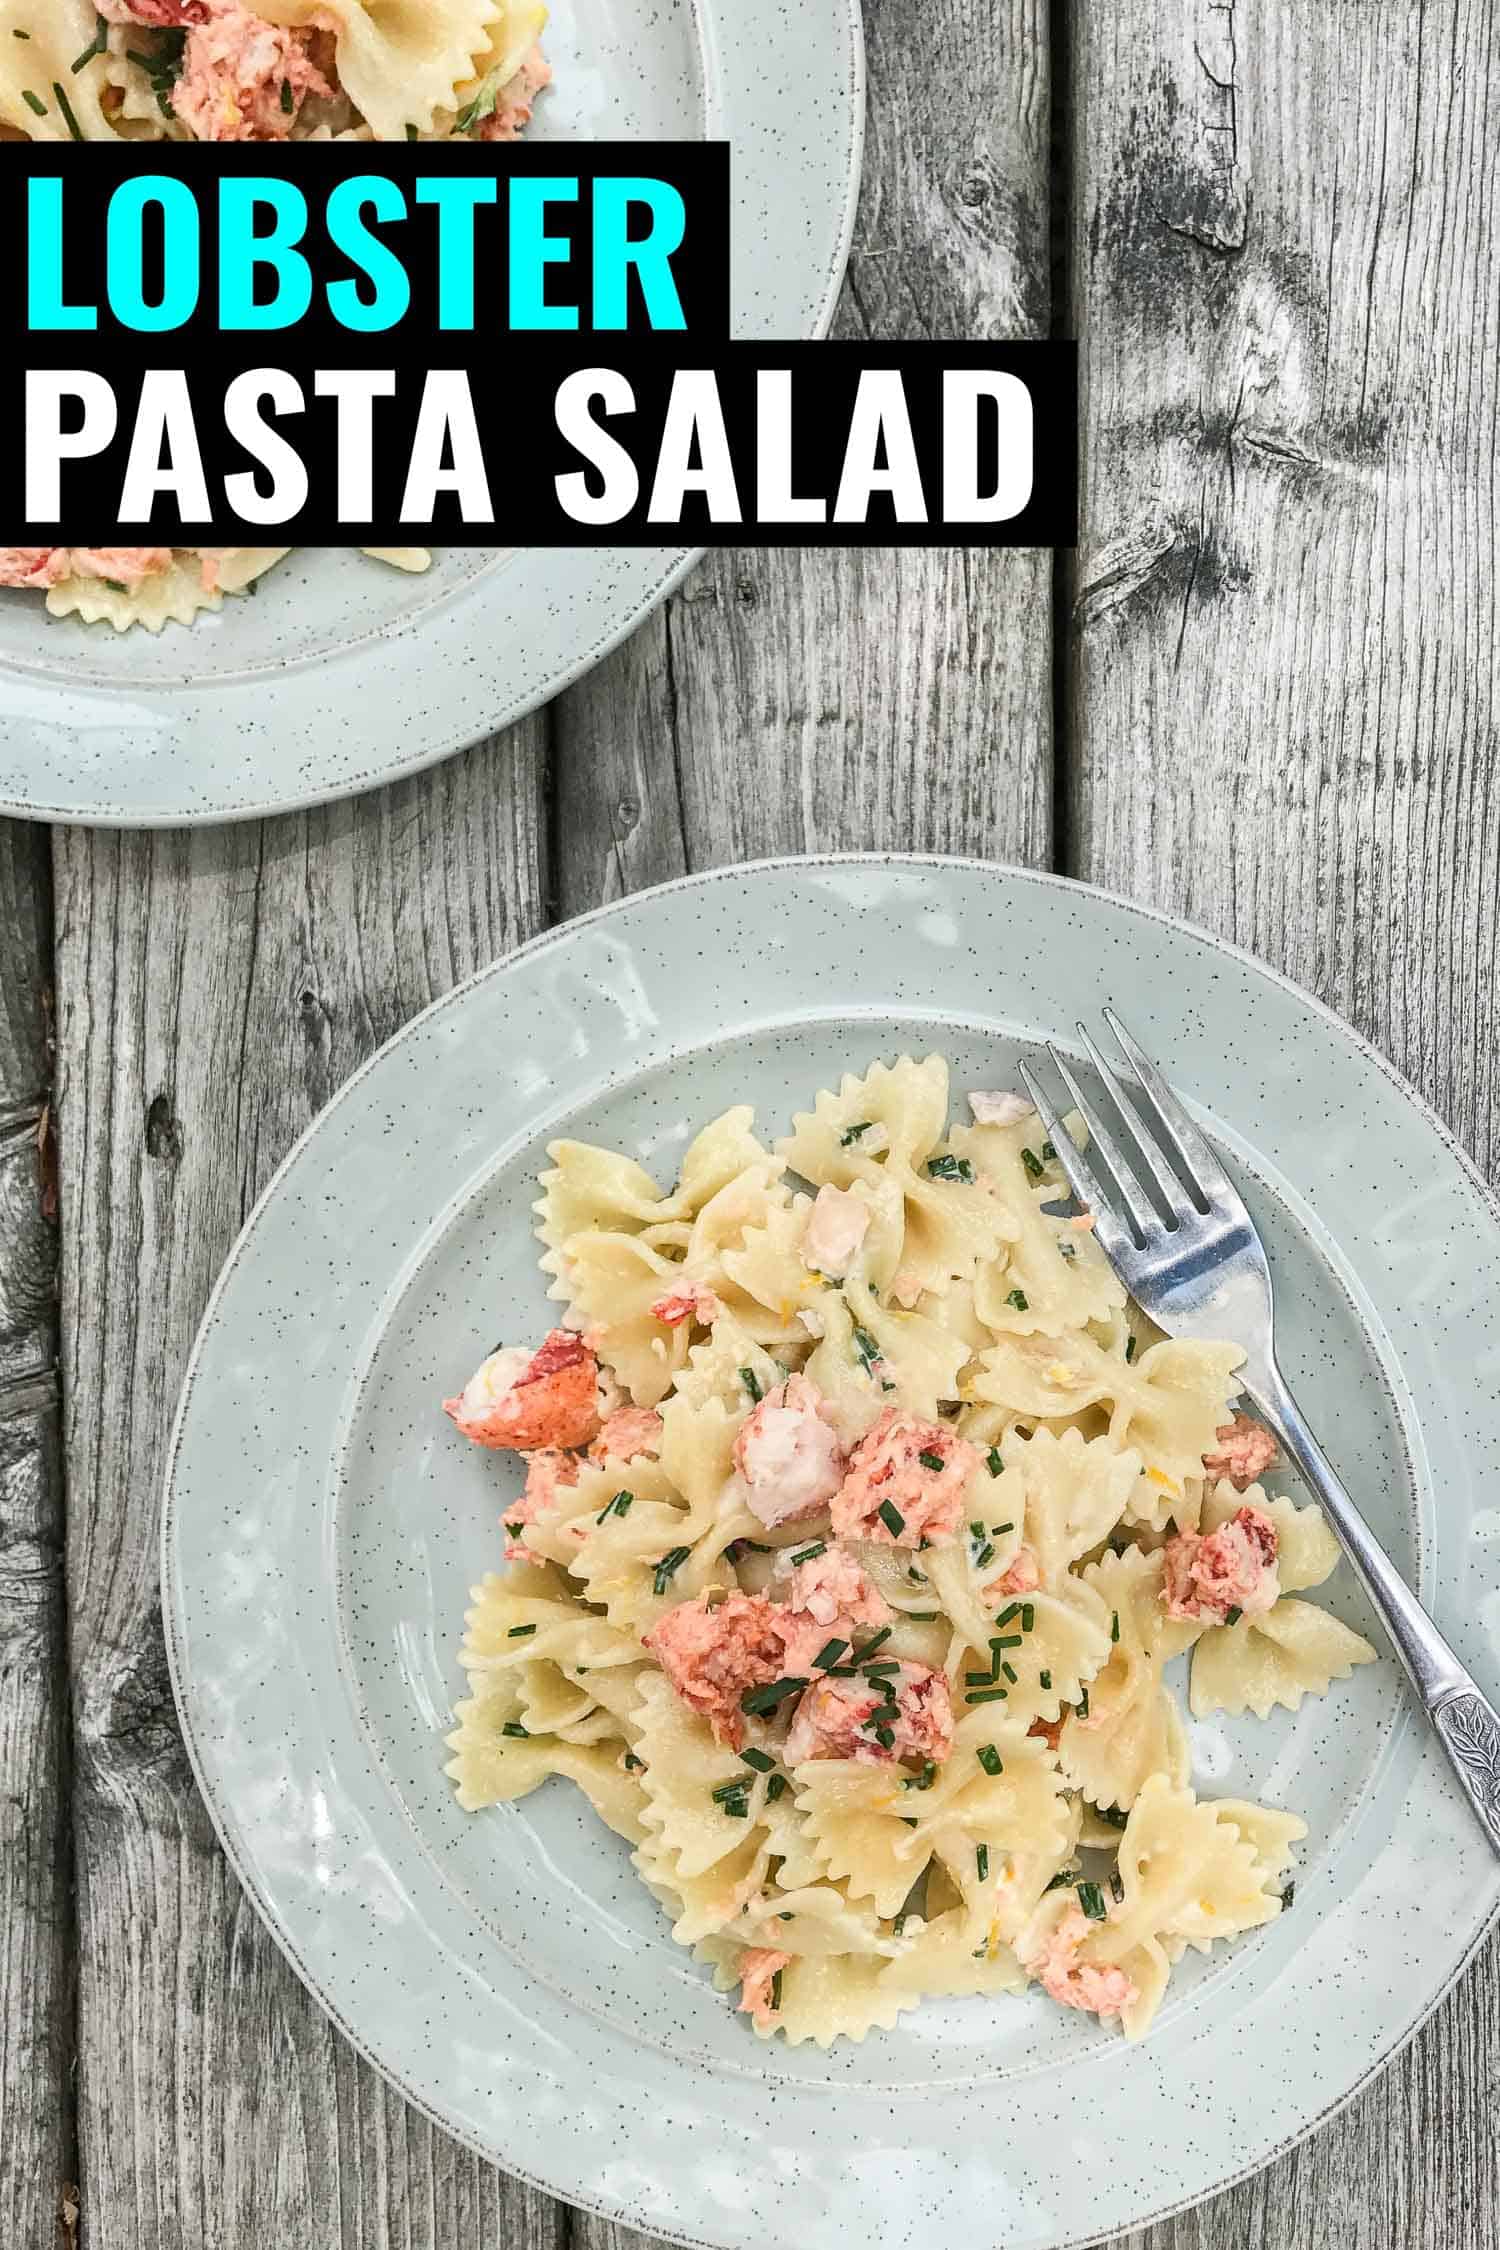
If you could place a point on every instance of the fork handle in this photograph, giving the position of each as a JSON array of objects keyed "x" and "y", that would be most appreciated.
[{"x": 1466, "y": 1722}]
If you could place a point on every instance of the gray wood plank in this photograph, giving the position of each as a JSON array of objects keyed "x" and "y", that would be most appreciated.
[
  {"x": 214, "y": 990},
  {"x": 804, "y": 700},
  {"x": 36, "y": 2010},
  {"x": 1283, "y": 680}
]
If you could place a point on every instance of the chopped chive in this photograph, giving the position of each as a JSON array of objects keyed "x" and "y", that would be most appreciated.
[
  {"x": 809, "y": 1554},
  {"x": 916, "y": 1576},
  {"x": 909, "y": 1821},
  {"x": 735, "y": 1788},
  {"x": 1049, "y": 1152},
  {"x": 830, "y": 1653},
  {"x": 776, "y": 1993},
  {"x": 776, "y": 1787},
  {"x": 1028, "y": 1617},
  {"x": 1009, "y": 1640},
  {"x": 1116, "y": 1886},
  {"x": 922, "y": 1616},
  {"x": 632, "y": 1763},
  {"x": 993, "y": 1461},
  {"x": 876, "y": 1640},
  {"x": 885, "y": 1738},
  {"x": 67, "y": 110},
  {"x": 516, "y": 1731},
  {"x": 520, "y": 1632},
  {"x": 288, "y": 98},
  {"x": 883, "y": 1670},
  {"x": 735, "y": 1808},
  {"x": 514, "y": 1530},
  {"x": 621, "y": 1505},
  {"x": 950, "y": 1168},
  {"x": 115, "y": 585},
  {"x": 982, "y": 1862},
  {"x": 1047, "y": 1681},
  {"x": 1129, "y": 1350},
  {"x": 1114, "y": 1624},
  {"x": 988, "y": 1695},
  {"x": 751, "y": 1382},
  {"x": 1033, "y": 1163},
  {"x": 933, "y": 1461},
  {"x": 1017, "y": 1298},
  {"x": 985, "y": 1556},
  {"x": 755, "y": 1701},
  {"x": 1013, "y": 1610},
  {"x": 786, "y": 1917},
  {"x": 980, "y": 1679},
  {"x": 1083, "y": 1704},
  {"x": 1287, "y": 1896},
  {"x": 1091, "y": 1899},
  {"x": 854, "y": 1132},
  {"x": 758, "y": 1759},
  {"x": 1010, "y": 1673},
  {"x": 96, "y": 46},
  {"x": 976, "y": 1529},
  {"x": 891, "y": 1516},
  {"x": 990, "y": 1758},
  {"x": 866, "y": 1346},
  {"x": 667, "y": 1568},
  {"x": 1233, "y": 1616},
  {"x": 997, "y": 1530},
  {"x": 33, "y": 102},
  {"x": 924, "y": 1779}
]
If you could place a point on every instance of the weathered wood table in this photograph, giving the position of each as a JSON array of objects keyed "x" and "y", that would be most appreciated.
[{"x": 1263, "y": 692}]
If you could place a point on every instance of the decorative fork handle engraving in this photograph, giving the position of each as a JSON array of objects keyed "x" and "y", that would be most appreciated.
[{"x": 1469, "y": 1730}]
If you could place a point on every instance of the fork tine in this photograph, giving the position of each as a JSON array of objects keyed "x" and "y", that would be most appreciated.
[
  {"x": 1141, "y": 1216},
  {"x": 1204, "y": 1171},
  {"x": 1111, "y": 1236},
  {"x": 1169, "y": 1187}
]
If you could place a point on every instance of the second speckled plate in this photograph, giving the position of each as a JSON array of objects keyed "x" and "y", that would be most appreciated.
[
  {"x": 342, "y": 673},
  {"x": 508, "y": 1970}
]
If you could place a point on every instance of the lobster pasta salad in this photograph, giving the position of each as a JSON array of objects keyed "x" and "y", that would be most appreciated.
[
  {"x": 862, "y": 1516},
  {"x": 215, "y": 70}
]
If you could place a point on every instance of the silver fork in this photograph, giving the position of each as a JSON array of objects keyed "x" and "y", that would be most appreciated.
[{"x": 1202, "y": 1271}]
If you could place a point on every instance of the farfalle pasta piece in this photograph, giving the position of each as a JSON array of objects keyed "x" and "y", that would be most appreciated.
[
  {"x": 1053, "y": 1277},
  {"x": 1167, "y": 1403},
  {"x": 401, "y": 62},
  {"x": 1129, "y": 1727},
  {"x": 1295, "y": 1649},
  {"x": 1074, "y": 1490},
  {"x": 40, "y": 87}
]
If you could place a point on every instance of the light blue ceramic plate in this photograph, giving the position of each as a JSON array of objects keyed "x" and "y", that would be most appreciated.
[
  {"x": 508, "y": 1971},
  {"x": 342, "y": 673}
]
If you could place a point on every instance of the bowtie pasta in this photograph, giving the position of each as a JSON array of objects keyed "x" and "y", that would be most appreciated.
[
  {"x": 862, "y": 1517},
  {"x": 215, "y": 70}
]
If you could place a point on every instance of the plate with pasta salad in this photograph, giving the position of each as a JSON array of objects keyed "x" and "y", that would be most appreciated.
[
  {"x": 152, "y": 685},
  {"x": 730, "y": 1598}
]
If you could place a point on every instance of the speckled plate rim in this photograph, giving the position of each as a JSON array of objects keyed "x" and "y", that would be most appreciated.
[
  {"x": 650, "y": 576},
  {"x": 1474, "y": 1878}
]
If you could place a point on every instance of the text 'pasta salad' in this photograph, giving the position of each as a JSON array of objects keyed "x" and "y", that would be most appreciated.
[
  {"x": 858, "y": 1528},
  {"x": 217, "y": 70}
]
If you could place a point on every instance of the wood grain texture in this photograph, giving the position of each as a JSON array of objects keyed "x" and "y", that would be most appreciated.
[
  {"x": 214, "y": 990},
  {"x": 1286, "y": 275},
  {"x": 36, "y": 2131},
  {"x": 808, "y": 700}
]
